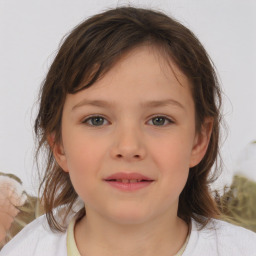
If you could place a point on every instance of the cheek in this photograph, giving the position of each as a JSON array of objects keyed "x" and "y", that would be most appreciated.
[
  {"x": 173, "y": 159},
  {"x": 84, "y": 157},
  {"x": 82, "y": 151},
  {"x": 173, "y": 153}
]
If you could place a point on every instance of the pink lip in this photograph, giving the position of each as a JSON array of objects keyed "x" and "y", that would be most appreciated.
[
  {"x": 116, "y": 181},
  {"x": 128, "y": 176}
]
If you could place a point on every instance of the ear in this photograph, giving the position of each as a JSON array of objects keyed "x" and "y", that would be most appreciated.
[
  {"x": 58, "y": 152},
  {"x": 201, "y": 142}
]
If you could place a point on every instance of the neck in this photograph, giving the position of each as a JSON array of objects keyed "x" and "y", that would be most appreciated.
[{"x": 96, "y": 236}]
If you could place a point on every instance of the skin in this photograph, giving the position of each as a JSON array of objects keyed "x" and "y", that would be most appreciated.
[{"x": 130, "y": 139}]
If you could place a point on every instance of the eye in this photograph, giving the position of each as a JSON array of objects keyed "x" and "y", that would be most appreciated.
[
  {"x": 94, "y": 121},
  {"x": 161, "y": 120},
  {"x": 99, "y": 121}
]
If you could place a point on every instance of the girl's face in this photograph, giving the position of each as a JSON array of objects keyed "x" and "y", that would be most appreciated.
[{"x": 129, "y": 140}]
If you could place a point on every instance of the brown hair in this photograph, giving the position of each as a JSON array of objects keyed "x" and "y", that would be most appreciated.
[{"x": 86, "y": 54}]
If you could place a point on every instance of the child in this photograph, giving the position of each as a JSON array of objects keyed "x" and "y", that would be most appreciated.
[{"x": 130, "y": 114}]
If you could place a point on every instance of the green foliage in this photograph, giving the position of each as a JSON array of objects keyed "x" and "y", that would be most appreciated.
[{"x": 238, "y": 203}]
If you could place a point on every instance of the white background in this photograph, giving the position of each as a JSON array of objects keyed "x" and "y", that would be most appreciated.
[{"x": 30, "y": 32}]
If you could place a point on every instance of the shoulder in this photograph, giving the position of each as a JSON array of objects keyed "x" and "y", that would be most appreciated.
[
  {"x": 36, "y": 239},
  {"x": 221, "y": 238},
  {"x": 230, "y": 231}
]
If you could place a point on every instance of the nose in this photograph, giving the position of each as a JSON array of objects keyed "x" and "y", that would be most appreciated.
[{"x": 128, "y": 144}]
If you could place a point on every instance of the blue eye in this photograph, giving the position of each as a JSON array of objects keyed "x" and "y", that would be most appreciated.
[
  {"x": 94, "y": 120},
  {"x": 160, "y": 120},
  {"x": 99, "y": 121}
]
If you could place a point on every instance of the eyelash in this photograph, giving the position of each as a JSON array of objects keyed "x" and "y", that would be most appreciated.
[{"x": 95, "y": 116}]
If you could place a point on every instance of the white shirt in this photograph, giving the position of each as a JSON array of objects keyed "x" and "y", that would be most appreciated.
[{"x": 218, "y": 238}]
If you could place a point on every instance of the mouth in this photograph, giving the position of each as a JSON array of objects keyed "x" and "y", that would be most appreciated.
[{"x": 128, "y": 181}]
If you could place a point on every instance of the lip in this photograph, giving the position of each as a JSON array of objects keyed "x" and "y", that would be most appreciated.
[
  {"x": 128, "y": 181},
  {"x": 128, "y": 176}
]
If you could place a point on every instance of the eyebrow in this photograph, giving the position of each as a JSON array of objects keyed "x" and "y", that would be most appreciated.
[{"x": 146, "y": 104}]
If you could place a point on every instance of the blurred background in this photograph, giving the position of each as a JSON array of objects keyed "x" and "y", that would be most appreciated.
[{"x": 30, "y": 33}]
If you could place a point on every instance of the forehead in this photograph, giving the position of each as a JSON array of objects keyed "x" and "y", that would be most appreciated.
[{"x": 141, "y": 73}]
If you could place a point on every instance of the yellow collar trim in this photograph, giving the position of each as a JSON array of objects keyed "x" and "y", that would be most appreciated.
[
  {"x": 71, "y": 243},
  {"x": 180, "y": 252}
]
